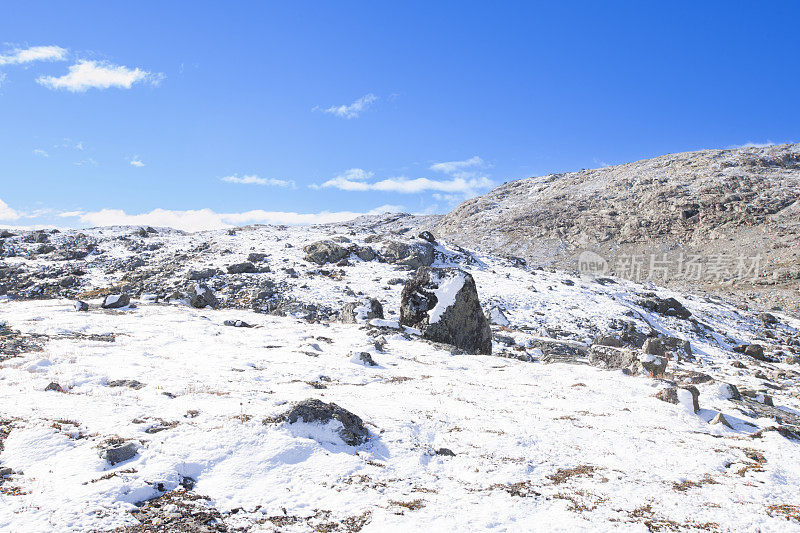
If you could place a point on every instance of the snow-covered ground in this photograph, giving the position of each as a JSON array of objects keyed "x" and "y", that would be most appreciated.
[{"x": 550, "y": 447}]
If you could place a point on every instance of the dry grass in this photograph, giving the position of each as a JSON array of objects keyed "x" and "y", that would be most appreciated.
[
  {"x": 565, "y": 474},
  {"x": 790, "y": 512},
  {"x": 413, "y": 505},
  {"x": 683, "y": 486}
]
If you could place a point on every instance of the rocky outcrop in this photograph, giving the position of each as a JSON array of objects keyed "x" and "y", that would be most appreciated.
[
  {"x": 313, "y": 411},
  {"x": 357, "y": 312},
  {"x": 324, "y": 252},
  {"x": 201, "y": 296},
  {"x": 413, "y": 255},
  {"x": 116, "y": 301},
  {"x": 443, "y": 304}
]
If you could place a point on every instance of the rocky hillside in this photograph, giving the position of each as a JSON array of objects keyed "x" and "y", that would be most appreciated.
[
  {"x": 357, "y": 377},
  {"x": 723, "y": 221}
]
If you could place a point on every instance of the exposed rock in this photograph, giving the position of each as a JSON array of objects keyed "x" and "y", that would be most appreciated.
[
  {"x": 201, "y": 296},
  {"x": 652, "y": 365},
  {"x": 671, "y": 347},
  {"x": 365, "y": 253},
  {"x": 687, "y": 395},
  {"x": 197, "y": 275},
  {"x": 324, "y": 252},
  {"x": 116, "y": 301},
  {"x": 118, "y": 453},
  {"x": 768, "y": 319},
  {"x": 443, "y": 304},
  {"x": 256, "y": 257},
  {"x": 666, "y": 307},
  {"x": 498, "y": 317},
  {"x": 242, "y": 268},
  {"x": 729, "y": 391},
  {"x": 310, "y": 411},
  {"x": 427, "y": 236},
  {"x": 81, "y": 306},
  {"x": 237, "y": 324},
  {"x": 720, "y": 419},
  {"x": 413, "y": 255},
  {"x": 446, "y": 452},
  {"x": 130, "y": 383},
  {"x": 54, "y": 387},
  {"x": 756, "y": 351},
  {"x": 611, "y": 357},
  {"x": 357, "y": 312},
  {"x": 364, "y": 358}
]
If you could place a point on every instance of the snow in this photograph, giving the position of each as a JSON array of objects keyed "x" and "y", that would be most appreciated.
[
  {"x": 510, "y": 423},
  {"x": 446, "y": 295}
]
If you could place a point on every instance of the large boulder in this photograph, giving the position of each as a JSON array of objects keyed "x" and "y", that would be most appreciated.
[
  {"x": 242, "y": 268},
  {"x": 443, "y": 304},
  {"x": 313, "y": 411},
  {"x": 324, "y": 252},
  {"x": 356, "y": 312},
  {"x": 666, "y": 307},
  {"x": 671, "y": 347},
  {"x": 688, "y": 396},
  {"x": 116, "y": 301},
  {"x": 414, "y": 255},
  {"x": 612, "y": 357},
  {"x": 201, "y": 296}
]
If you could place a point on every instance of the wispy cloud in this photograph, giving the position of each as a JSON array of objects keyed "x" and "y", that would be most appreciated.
[
  {"x": 34, "y": 53},
  {"x": 465, "y": 168},
  {"x": 40, "y": 152},
  {"x": 352, "y": 110},
  {"x": 136, "y": 161},
  {"x": 86, "y": 162},
  {"x": 85, "y": 75},
  {"x": 354, "y": 180},
  {"x": 6, "y": 213},
  {"x": 253, "y": 179},
  {"x": 206, "y": 219}
]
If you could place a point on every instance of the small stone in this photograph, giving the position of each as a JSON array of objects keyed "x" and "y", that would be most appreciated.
[
  {"x": 81, "y": 306},
  {"x": 310, "y": 411},
  {"x": 256, "y": 257},
  {"x": 116, "y": 301},
  {"x": 6, "y": 471},
  {"x": 365, "y": 358},
  {"x": 237, "y": 324},
  {"x": 119, "y": 453},
  {"x": 242, "y": 268},
  {"x": 54, "y": 387},
  {"x": 427, "y": 236},
  {"x": 130, "y": 383},
  {"x": 720, "y": 419},
  {"x": 447, "y": 452}
]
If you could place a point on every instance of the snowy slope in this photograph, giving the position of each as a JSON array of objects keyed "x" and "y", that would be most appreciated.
[{"x": 562, "y": 446}]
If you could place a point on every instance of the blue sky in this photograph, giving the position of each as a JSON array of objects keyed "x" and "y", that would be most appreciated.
[{"x": 206, "y": 114}]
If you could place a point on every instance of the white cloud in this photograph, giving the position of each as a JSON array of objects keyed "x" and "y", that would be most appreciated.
[
  {"x": 86, "y": 75},
  {"x": 136, "y": 162},
  {"x": 2, "y": 78},
  {"x": 79, "y": 146},
  {"x": 354, "y": 109},
  {"x": 34, "y": 53},
  {"x": 355, "y": 180},
  {"x": 6, "y": 213},
  {"x": 40, "y": 152},
  {"x": 88, "y": 161},
  {"x": 206, "y": 219},
  {"x": 253, "y": 179},
  {"x": 459, "y": 168}
]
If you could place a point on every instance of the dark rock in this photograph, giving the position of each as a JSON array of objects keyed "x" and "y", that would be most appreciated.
[
  {"x": 768, "y": 319},
  {"x": 201, "y": 296},
  {"x": 457, "y": 319},
  {"x": 324, "y": 252},
  {"x": 237, "y": 324},
  {"x": 365, "y": 358},
  {"x": 756, "y": 351},
  {"x": 197, "y": 275},
  {"x": 666, "y": 307},
  {"x": 130, "y": 383},
  {"x": 256, "y": 257},
  {"x": 242, "y": 268},
  {"x": 54, "y": 387},
  {"x": 652, "y": 365},
  {"x": 365, "y": 253},
  {"x": 427, "y": 236},
  {"x": 670, "y": 395},
  {"x": 446, "y": 452},
  {"x": 116, "y": 301},
  {"x": 671, "y": 347},
  {"x": 355, "y": 312},
  {"x": 120, "y": 452},
  {"x": 81, "y": 306},
  {"x": 352, "y": 432}
]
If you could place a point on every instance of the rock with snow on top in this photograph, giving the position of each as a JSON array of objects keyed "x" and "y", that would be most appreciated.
[
  {"x": 611, "y": 358},
  {"x": 201, "y": 296},
  {"x": 81, "y": 306},
  {"x": 687, "y": 395},
  {"x": 314, "y": 411},
  {"x": 116, "y": 301},
  {"x": 443, "y": 305},
  {"x": 498, "y": 317},
  {"x": 414, "y": 255},
  {"x": 720, "y": 419},
  {"x": 359, "y": 312},
  {"x": 322, "y": 252},
  {"x": 118, "y": 453}
]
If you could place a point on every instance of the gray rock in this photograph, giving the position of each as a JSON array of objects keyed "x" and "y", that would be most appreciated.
[
  {"x": 5, "y": 471},
  {"x": 416, "y": 255},
  {"x": 365, "y": 357},
  {"x": 237, "y": 324},
  {"x": 242, "y": 268},
  {"x": 201, "y": 296},
  {"x": 427, "y": 236},
  {"x": 670, "y": 395},
  {"x": 365, "y": 253},
  {"x": 120, "y": 452},
  {"x": 756, "y": 351},
  {"x": 666, "y": 307},
  {"x": 54, "y": 387},
  {"x": 197, "y": 275},
  {"x": 130, "y": 383},
  {"x": 446, "y": 452},
  {"x": 652, "y": 365},
  {"x": 256, "y": 257},
  {"x": 324, "y": 252},
  {"x": 356, "y": 312},
  {"x": 81, "y": 306},
  {"x": 116, "y": 301},
  {"x": 720, "y": 419},
  {"x": 671, "y": 347},
  {"x": 457, "y": 319},
  {"x": 352, "y": 432},
  {"x": 611, "y": 357}
]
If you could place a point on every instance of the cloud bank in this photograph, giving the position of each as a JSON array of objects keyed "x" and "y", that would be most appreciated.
[
  {"x": 34, "y": 53},
  {"x": 6, "y": 213}
]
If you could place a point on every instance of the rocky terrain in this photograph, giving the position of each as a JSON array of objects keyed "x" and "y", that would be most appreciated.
[
  {"x": 372, "y": 377},
  {"x": 721, "y": 221}
]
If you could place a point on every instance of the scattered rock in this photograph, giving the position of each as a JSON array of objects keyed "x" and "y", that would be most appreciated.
[
  {"x": 443, "y": 304},
  {"x": 201, "y": 296},
  {"x": 352, "y": 432},
  {"x": 687, "y": 395},
  {"x": 81, "y": 306},
  {"x": 666, "y": 307},
  {"x": 130, "y": 383},
  {"x": 237, "y": 324},
  {"x": 120, "y": 452},
  {"x": 256, "y": 257},
  {"x": 416, "y": 255},
  {"x": 54, "y": 387},
  {"x": 671, "y": 347},
  {"x": 242, "y": 268},
  {"x": 611, "y": 357},
  {"x": 324, "y": 252},
  {"x": 446, "y": 452},
  {"x": 116, "y": 301},
  {"x": 768, "y": 319},
  {"x": 720, "y": 419},
  {"x": 427, "y": 236},
  {"x": 498, "y": 317},
  {"x": 364, "y": 358},
  {"x": 197, "y": 275},
  {"x": 358, "y": 312},
  {"x": 652, "y": 365}
]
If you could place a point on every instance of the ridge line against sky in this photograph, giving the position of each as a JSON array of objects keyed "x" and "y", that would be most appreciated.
[{"x": 292, "y": 114}]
